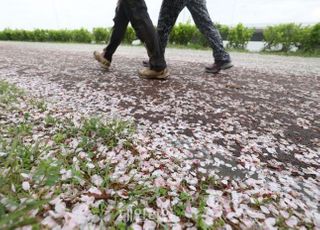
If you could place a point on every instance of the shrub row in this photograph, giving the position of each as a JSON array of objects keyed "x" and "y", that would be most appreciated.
[
  {"x": 286, "y": 37},
  {"x": 81, "y": 35},
  {"x": 97, "y": 35},
  {"x": 188, "y": 34},
  {"x": 282, "y": 37}
]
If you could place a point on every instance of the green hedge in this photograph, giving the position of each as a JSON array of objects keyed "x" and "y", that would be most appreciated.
[
  {"x": 130, "y": 36},
  {"x": 286, "y": 37},
  {"x": 81, "y": 35},
  {"x": 189, "y": 34},
  {"x": 182, "y": 34},
  {"x": 239, "y": 37},
  {"x": 59, "y": 36},
  {"x": 101, "y": 34},
  {"x": 16, "y": 35},
  {"x": 312, "y": 40},
  {"x": 282, "y": 37}
]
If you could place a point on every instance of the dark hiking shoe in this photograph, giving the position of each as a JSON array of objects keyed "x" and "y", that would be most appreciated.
[
  {"x": 148, "y": 73},
  {"x": 218, "y": 66},
  {"x": 102, "y": 60},
  {"x": 146, "y": 63}
]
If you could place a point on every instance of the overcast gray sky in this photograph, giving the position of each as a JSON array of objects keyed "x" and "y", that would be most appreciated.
[{"x": 54, "y": 14}]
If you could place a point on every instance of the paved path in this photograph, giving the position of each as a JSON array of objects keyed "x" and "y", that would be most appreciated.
[
  {"x": 261, "y": 117},
  {"x": 272, "y": 100}
]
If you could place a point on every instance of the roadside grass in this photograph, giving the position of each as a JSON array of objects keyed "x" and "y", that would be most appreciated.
[
  {"x": 8, "y": 93},
  {"x": 30, "y": 167}
]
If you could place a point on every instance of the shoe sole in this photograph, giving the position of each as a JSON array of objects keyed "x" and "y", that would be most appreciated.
[
  {"x": 163, "y": 76},
  {"x": 227, "y": 66},
  {"x": 224, "y": 67},
  {"x": 104, "y": 66}
]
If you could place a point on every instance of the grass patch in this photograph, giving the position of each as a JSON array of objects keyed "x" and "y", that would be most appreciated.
[
  {"x": 8, "y": 93},
  {"x": 30, "y": 168}
]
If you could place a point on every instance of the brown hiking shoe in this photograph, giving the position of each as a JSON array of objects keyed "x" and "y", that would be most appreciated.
[
  {"x": 104, "y": 63},
  {"x": 218, "y": 66},
  {"x": 148, "y": 73}
]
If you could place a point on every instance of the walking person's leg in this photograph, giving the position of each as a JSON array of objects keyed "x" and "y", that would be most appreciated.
[
  {"x": 169, "y": 12},
  {"x": 201, "y": 17},
  {"x": 140, "y": 20},
  {"x": 136, "y": 12},
  {"x": 121, "y": 22}
]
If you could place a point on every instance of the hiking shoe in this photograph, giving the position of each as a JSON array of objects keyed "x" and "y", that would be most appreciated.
[
  {"x": 148, "y": 73},
  {"x": 104, "y": 63},
  {"x": 146, "y": 63},
  {"x": 218, "y": 66}
]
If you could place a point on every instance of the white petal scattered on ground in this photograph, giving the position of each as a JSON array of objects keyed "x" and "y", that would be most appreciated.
[
  {"x": 159, "y": 182},
  {"x": 26, "y": 186},
  {"x": 90, "y": 166},
  {"x": 255, "y": 214},
  {"x": 66, "y": 174},
  {"x": 285, "y": 214},
  {"x": 176, "y": 227},
  {"x": 97, "y": 180},
  {"x": 317, "y": 220},
  {"x": 265, "y": 210},
  {"x": 123, "y": 194},
  {"x": 173, "y": 218},
  {"x": 270, "y": 223},
  {"x": 292, "y": 221},
  {"x": 49, "y": 222},
  {"x": 149, "y": 225},
  {"x": 95, "y": 190},
  {"x": 211, "y": 201},
  {"x": 60, "y": 208},
  {"x": 163, "y": 203},
  {"x": 304, "y": 123},
  {"x": 13, "y": 188},
  {"x": 25, "y": 176},
  {"x": 71, "y": 221},
  {"x": 136, "y": 227}
]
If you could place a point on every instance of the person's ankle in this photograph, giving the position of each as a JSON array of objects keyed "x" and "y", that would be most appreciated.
[
  {"x": 222, "y": 61},
  {"x": 107, "y": 56}
]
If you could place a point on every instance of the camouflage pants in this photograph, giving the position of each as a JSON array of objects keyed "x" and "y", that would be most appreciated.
[{"x": 169, "y": 13}]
